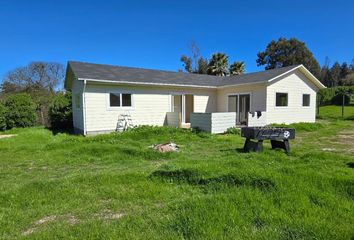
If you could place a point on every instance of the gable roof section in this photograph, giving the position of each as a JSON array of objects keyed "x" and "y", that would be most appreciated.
[{"x": 140, "y": 76}]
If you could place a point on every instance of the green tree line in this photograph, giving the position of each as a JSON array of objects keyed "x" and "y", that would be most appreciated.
[
  {"x": 31, "y": 95},
  {"x": 278, "y": 53}
]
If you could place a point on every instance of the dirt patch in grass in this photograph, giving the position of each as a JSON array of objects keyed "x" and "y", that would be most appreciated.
[
  {"x": 194, "y": 178},
  {"x": 109, "y": 215},
  {"x": 7, "y": 135},
  {"x": 346, "y": 139},
  {"x": 37, "y": 225}
]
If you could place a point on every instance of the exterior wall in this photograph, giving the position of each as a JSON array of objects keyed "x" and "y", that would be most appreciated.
[
  {"x": 295, "y": 84},
  {"x": 173, "y": 119},
  {"x": 150, "y": 104},
  {"x": 213, "y": 122},
  {"x": 78, "y": 114},
  {"x": 201, "y": 121},
  {"x": 255, "y": 121},
  {"x": 257, "y": 91},
  {"x": 220, "y": 122}
]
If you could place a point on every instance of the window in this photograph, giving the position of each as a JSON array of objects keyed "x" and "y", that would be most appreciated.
[
  {"x": 120, "y": 100},
  {"x": 77, "y": 101},
  {"x": 114, "y": 100},
  {"x": 126, "y": 100},
  {"x": 305, "y": 100},
  {"x": 281, "y": 100}
]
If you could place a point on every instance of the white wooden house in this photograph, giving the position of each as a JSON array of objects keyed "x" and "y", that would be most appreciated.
[{"x": 153, "y": 97}]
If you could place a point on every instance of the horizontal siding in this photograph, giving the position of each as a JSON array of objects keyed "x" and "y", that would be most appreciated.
[
  {"x": 213, "y": 122},
  {"x": 222, "y": 121},
  {"x": 255, "y": 121},
  {"x": 150, "y": 104},
  {"x": 201, "y": 121},
  {"x": 173, "y": 119},
  {"x": 205, "y": 103},
  {"x": 295, "y": 84},
  {"x": 257, "y": 91}
]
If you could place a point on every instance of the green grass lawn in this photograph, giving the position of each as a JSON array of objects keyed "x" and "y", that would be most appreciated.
[
  {"x": 335, "y": 112},
  {"x": 115, "y": 187}
]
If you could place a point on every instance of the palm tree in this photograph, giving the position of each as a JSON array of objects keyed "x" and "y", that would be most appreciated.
[
  {"x": 219, "y": 65},
  {"x": 237, "y": 68}
]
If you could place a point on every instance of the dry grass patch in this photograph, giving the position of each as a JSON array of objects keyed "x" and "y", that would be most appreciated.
[
  {"x": 346, "y": 139},
  {"x": 7, "y": 135},
  {"x": 37, "y": 225}
]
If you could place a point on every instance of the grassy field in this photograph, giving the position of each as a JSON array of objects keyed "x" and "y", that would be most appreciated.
[
  {"x": 335, "y": 112},
  {"x": 115, "y": 187}
]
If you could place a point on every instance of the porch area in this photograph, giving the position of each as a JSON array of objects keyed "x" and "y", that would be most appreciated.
[{"x": 238, "y": 114}]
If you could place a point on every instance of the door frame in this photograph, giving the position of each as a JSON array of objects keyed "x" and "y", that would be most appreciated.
[
  {"x": 238, "y": 103},
  {"x": 183, "y": 95}
]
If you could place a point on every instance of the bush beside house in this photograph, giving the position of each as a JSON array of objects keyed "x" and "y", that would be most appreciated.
[
  {"x": 21, "y": 111},
  {"x": 60, "y": 112}
]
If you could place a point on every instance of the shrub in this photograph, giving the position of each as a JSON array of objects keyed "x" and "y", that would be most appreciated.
[
  {"x": 324, "y": 96},
  {"x": 21, "y": 111},
  {"x": 334, "y": 95},
  {"x": 233, "y": 130},
  {"x": 338, "y": 100},
  {"x": 2, "y": 117},
  {"x": 60, "y": 112}
]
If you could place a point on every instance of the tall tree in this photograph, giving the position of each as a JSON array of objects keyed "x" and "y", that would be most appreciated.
[
  {"x": 335, "y": 74},
  {"x": 237, "y": 68},
  {"x": 344, "y": 71},
  {"x": 39, "y": 79},
  {"x": 195, "y": 63},
  {"x": 202, "y": 67},
  {"x": 187, "y": 63},
  {"x": 35, "y": 75},
  {"x": 219, "y": 64},
  {"x": 287, "y": 52},
  {"x": 325, "y": 73}
]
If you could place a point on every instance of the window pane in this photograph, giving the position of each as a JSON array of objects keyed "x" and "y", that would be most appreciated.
[
  {"x": 281, "y": 99},
  {"x": 232, "y": 107},
  {"x": 126, "y": 100},
  {"x": 306, "y": 100},
  {"x": 114, "y": 99}
]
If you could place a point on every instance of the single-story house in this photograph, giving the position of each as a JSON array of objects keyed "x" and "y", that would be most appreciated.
[{"x": 101, "y": 93}]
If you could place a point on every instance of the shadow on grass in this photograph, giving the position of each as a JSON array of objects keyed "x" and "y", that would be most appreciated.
[
  {"x": 58, "y": 131},
  {"x": 193, "y": 177},
  {"x": 236, "y": 150},
  {"x": 350, "y": 164}
]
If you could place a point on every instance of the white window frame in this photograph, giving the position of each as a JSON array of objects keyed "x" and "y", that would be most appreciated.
[
  {"x": 275, "y": 100},
  {"x": 238, "y": 102},
  {"x": 302, "y": 96},
  {"x": 108, "y": 101}
]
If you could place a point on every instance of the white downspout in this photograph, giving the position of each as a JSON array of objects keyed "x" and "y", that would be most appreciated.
[{"x": 84, "y": 107}]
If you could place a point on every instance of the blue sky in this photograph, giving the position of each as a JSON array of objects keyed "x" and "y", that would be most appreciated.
[{"x": 154, "y": 33}]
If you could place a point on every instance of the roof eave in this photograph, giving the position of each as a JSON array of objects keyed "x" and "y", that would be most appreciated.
[
  {"x": 146, "y": 83},
  {"x": 304, "y": 70}
]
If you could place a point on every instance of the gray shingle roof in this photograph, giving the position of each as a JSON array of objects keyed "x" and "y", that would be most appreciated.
[{"x": 140, "y": 75}]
